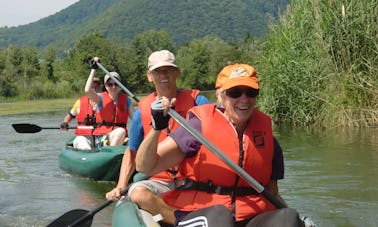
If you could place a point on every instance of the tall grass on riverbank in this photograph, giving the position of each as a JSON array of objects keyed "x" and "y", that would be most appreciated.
[{"x": 320, "y": 64}]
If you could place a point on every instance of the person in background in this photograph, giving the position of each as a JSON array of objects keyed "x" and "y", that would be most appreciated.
[
  {"x": 212, "y": 192},
  {"x": 163, "y": 73},
  {"x": 84, "y": 110},
  {"x": 113, "y": 109}
]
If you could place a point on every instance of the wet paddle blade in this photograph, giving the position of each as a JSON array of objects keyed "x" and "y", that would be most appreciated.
[
  {"x": 26, "y": 128},
  {"x": 70, "y": 217}
]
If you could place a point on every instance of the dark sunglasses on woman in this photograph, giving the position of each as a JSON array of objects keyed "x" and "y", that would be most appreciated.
[
  {"x": 237, "y": 92},
  {"x": 112, "y": 84}
]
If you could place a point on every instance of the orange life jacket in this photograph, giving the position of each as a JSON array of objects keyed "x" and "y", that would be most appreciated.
[
  {"x": 184, "y": 101},
  {"x": 86, "y": 118},
  {"x": 111, "y": 116},
  {"x": 205, "y": 167}
]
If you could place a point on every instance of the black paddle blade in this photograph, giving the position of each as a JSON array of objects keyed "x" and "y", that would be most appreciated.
[
  {"x": 26, "y": 128},
  {"x": 70, "y": 217}
]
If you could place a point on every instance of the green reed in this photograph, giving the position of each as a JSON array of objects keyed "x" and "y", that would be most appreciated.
[{"x": 320, "y": 64}]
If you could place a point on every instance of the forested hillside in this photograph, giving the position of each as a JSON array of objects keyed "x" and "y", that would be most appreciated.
[
  {"x": 55, "y": 28},
  {"x": 184, "y": 20},
  {"x": 317, "y": 65}
]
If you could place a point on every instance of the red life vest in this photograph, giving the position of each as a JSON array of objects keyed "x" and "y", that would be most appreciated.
[
  {"x": 111, "y": 116},
  {"x": 256, "y": 160},
  {"x": 184, "y": 101},
  {"x": 86, "y": 118}
]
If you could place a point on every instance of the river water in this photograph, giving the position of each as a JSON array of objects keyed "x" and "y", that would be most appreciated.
[{"x": 329, "y": 176}]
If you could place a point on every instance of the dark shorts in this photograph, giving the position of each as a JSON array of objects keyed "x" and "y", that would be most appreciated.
[{"x": 220, "y": 216}]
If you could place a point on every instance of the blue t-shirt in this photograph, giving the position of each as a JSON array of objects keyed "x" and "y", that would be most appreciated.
[{"x": 136, "y": 132}]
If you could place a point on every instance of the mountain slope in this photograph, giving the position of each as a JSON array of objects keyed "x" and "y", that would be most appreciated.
[
  {"x": 184, "y": 20},
  {"x": 55, "y": 27}
]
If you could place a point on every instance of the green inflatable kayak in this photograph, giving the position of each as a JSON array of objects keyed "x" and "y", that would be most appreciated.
[
  {"x": 127, "y": 214},
  {"x": 98, "y": 164}
]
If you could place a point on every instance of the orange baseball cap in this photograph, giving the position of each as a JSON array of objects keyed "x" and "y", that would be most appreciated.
[{"x": 237, "y": 75}]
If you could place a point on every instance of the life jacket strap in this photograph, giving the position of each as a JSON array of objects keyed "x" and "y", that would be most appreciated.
[
  {"x": 174, "y": 174},
  {"x": 209, "y": 187},
  {"x": 123, "y": 125}
]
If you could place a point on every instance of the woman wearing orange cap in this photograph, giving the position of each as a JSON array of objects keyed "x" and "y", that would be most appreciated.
[{"x": 212, "y": 193}]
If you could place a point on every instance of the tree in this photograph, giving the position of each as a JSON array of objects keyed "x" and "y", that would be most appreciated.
[
  {"x": 13, "y": 67},
  {"x": 50, "y": 57},
  {"x": 143, "y": 45},
  {"x": 30, "y": 64},
  {"x": 7, "y": 89},
  {"x": 77, "y": 62},
  {"x": 202, "y": 59},
  {"x": 2, "y": 60}
]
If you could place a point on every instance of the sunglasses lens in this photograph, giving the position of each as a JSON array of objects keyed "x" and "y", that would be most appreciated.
[
  {"x": 112, "y": 84},
  {"x": 236, "y": 93},
  {"x": 251, "y": 93}
]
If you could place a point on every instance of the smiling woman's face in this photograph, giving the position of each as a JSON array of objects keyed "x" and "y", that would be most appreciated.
[{"x": 238, "y": 109}]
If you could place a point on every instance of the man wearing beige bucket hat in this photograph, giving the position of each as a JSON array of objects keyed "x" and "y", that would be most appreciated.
[{"x": 163, "y": 72}]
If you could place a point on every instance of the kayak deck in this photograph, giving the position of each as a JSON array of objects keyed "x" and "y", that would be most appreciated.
[{"x": 98, "y": 164}]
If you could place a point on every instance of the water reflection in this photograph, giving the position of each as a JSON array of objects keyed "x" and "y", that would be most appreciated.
[{"x": 329, "y": 176}]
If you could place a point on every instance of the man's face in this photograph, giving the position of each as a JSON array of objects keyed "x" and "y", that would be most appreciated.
[{"x": 164, "y": 78}]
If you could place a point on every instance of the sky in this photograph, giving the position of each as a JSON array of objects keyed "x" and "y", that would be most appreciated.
[{"x": 20, "y": 12}]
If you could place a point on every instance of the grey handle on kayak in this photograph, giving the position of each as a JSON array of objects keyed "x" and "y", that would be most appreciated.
[{"x": 241, "y": 172}]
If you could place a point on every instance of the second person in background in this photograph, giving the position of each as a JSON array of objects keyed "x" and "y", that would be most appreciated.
[
  {"x": 113, "y": 109},
  {"x": 84, "y": 110},
  {"x": 162, "y": 72}
]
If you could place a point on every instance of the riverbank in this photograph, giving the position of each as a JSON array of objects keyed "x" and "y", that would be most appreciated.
[
  {"x": 36, "y": 106},
  {"x": 55, "y": 105}
]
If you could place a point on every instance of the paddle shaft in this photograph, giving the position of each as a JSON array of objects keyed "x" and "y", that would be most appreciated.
[
  {"x": 84, "y": 218},
  {"x": 106, "y": 203},
  {"x": 241, "y": 172},
  {"x": 91, "y": 213},
  {"x": 57, "y": 127}
]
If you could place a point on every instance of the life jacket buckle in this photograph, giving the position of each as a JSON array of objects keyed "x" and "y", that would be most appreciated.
[{"x": 211, "y": 187}]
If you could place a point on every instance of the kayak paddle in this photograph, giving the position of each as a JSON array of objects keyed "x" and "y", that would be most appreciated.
[
  {"x": 31, "y": 128},
  {"x": 84, "y": 218}
]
